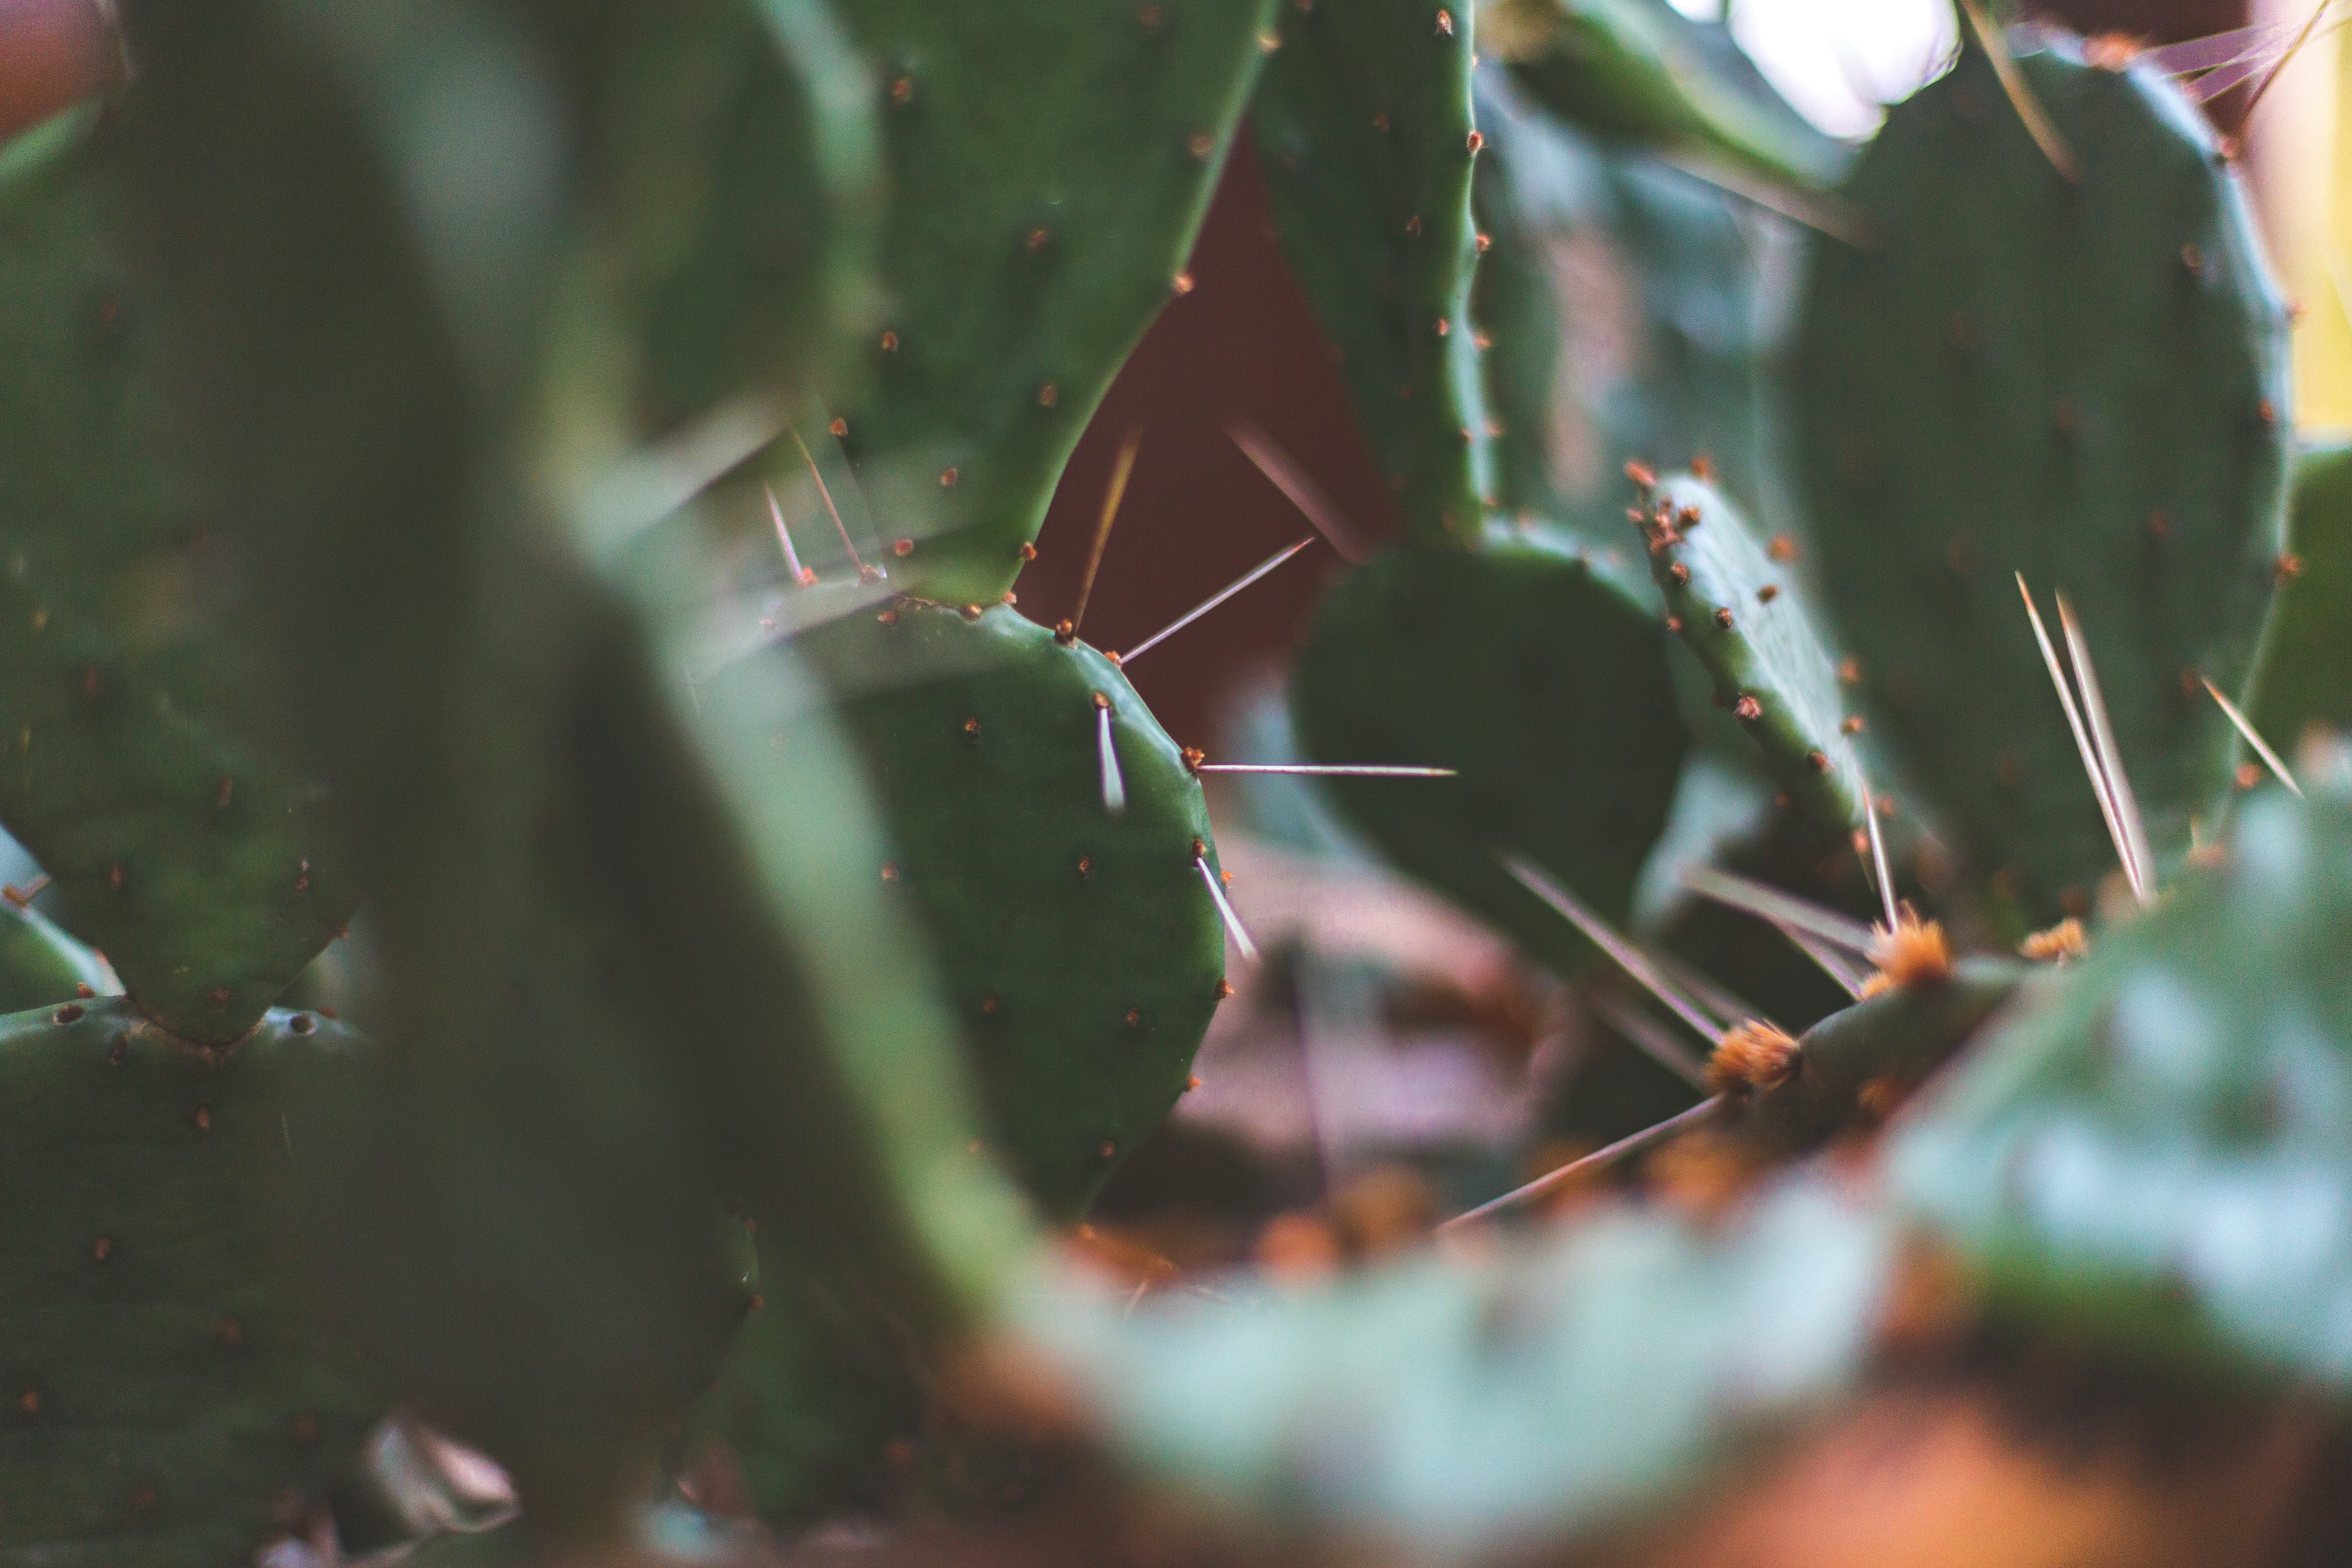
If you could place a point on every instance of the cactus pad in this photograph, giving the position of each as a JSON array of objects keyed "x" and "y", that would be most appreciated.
[
  {"x": 1479, "y": 1407},
  {"x": 1744, "y": 616},
  {"x": 1541, "y": 680},
  {"x": 168, "y": 1402},
  {"x": 191, "y": 856},
  {"x": 2306, "y": 675},
  {"x": 1081, "y": 948},
  {"x": 2085, "y": 380},
  {"x": 1049, "y": 164},
  {"x": 1363, "y": 123},
  {"x": 2153, "y": 1156}
]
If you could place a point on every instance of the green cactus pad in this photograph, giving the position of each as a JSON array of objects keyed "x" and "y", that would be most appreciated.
[
  {"x": 2304, "y": 676},
  {"x": 2083, "y": 381},
  {"x": 2155, "y": 1157},
  {"x": 1049, "y": 166},
  {"x": 1642, "y": 71},
  {"x": 1081, "y": 948},
  {"x": 1363, "y": 123},
  {"x": 1484, "y": 1407},
  {"x": 1538, "y": 677},
  {"x": 1744, "y": 616},
  {"x": 170, "y": 1402},
  {"x": 190, "y": 854},
  {"x": 1897, "y": 1038}
]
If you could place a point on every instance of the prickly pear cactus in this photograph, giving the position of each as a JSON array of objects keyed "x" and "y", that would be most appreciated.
[
  {"x": 2302, "y": 678},
  {"x": 2084, "y": 380},
  {"x": 1537, "y": 677},
  {"x": 2152, "y": 1159},
  {"x": 170, "y": 1401},
  {"x": 1543, "y": 1395},
  {"x": 1642, "y": 71},
  {"x": 186, "y": 851},
  {"x": 1744, "y": 616},
  {"x": 1048, "y": 164},
  {"x": 1063, "y": 884},
  {"x": 1363, "y": 123}
]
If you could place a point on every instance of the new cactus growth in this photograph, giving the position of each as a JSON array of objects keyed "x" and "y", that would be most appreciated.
[
  {"x": 186, "y": 851},
  {"x": 2084, "y": 379},
  {"x": 1744, "y": 615},
  {"x": 1048, "y": 166},
  {"x": 1059, "y": 851},
  {"x": 171, "y": 1401},
  {"x": 2150, "y": 1158}
]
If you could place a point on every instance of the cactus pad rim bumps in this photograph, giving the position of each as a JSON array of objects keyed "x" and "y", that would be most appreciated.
[{"x": 1745, "y": 615}]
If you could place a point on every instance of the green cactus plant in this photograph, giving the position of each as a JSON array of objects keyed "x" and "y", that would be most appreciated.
[
  {"x": 647, "y": 964},
  {"x": 2084, "y": 380},
  {"x": 184, "y": 849},
  {"x": 1049, "y": 166},
  {"x": 1744, "y": 616},
  {"x": 171, "y": 1400},
  {"x": 2150, "y": 1158},
  {"x": 2299, "y": 681}
]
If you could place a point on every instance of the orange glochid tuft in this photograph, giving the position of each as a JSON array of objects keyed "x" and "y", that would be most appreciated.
[{"x": 1752, "y": 1056}]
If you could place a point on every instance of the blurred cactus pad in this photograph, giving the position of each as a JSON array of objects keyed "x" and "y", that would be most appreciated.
[{"x": 582, "y": 984}]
